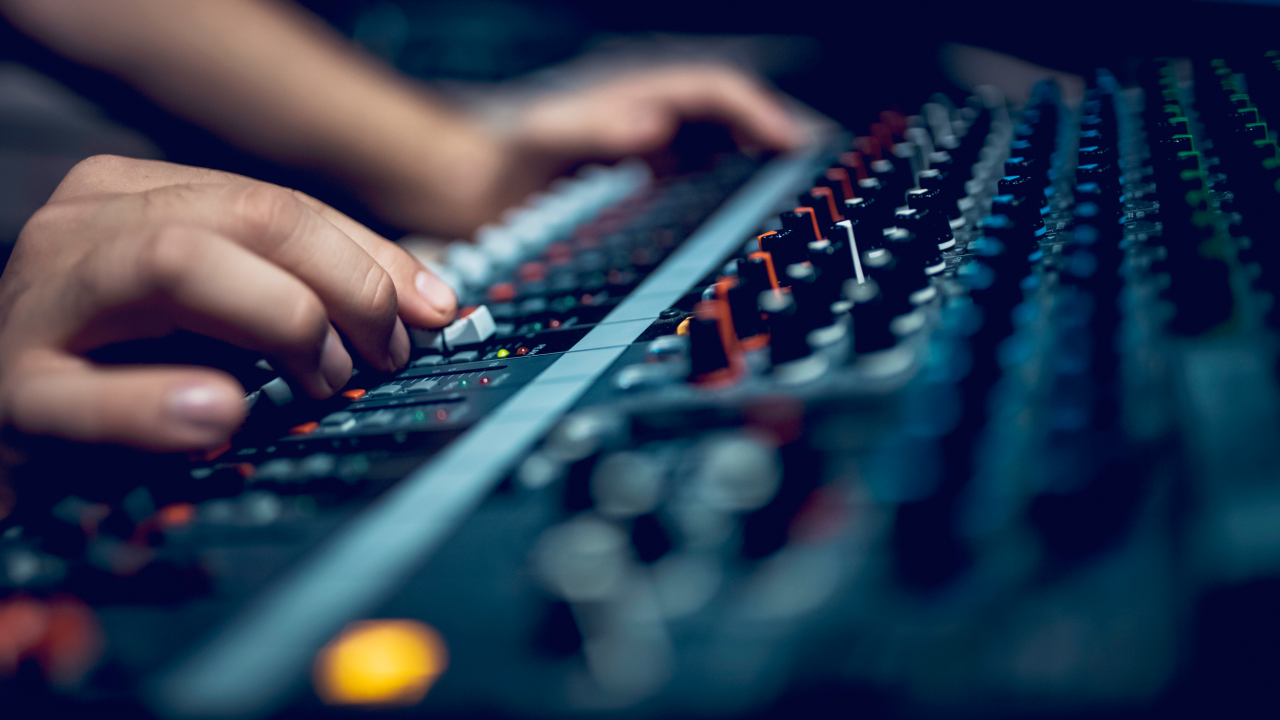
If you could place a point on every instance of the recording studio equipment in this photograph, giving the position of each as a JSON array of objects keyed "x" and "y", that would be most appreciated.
[{"x": 960, "y": 416}]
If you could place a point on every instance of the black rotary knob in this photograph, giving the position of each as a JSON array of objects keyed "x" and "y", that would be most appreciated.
[
  {"x": 812, "y": 301},
  {"x": 1024, "y": 187},
  {"x": 787, "y": 246},
  {"x": 752, "y": 280},
  {"x": 787, "y": 335},
  {"x": 871, "y": 317},
  {"x": 706, "y": 348},
  {"x": 804, "y": 224}
]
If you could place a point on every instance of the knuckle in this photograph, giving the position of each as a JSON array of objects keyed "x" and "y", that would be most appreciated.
[
  {"x": 268, "y": 210},
  {"x": 316, "y": 206},
  {"x": 166, "y": 257},
  {"x": 305, "y": 324},
  {"x": 304, "y": 198},
  {"x": 96, "y": 166},
  {"x": 377, "y": 296},
  {"x": 48, "y": 219}
]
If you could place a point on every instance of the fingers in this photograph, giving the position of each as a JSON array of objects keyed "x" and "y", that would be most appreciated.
[
  {"x": 272, "y": 222},
  {"x": 195, "y": 280},
  {"x": 113, "y": 174},
  {"x": 723, "y": 94},
  {"x": 641, "y": 111},
  {"x": 164, "y": 409},
  {"x": 424, "y": 300}
]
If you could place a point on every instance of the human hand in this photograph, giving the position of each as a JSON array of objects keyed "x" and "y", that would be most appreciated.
[
  {"x": 633, "y": 113},
  {"x": 640, "y": 111},
  {"x": 131, "y": 249}
]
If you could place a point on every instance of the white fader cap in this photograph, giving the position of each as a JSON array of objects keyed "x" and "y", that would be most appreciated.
[{"x": 476, "y": 326}]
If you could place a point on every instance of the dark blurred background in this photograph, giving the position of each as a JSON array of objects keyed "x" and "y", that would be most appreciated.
[{"x": 846, "y": 59}]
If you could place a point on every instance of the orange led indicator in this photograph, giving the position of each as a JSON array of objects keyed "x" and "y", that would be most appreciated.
[
  {"x": 305, "y": 428},
  {"x": 502, "y": 292},
  {"x": 210, "y": 454},
  {"x": 380, "y": 663},
  {"x": 176, "y": 515},
  {"x": 353, "y": 394}
]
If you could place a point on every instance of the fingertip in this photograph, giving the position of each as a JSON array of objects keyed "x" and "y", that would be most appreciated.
[
  {"x": 399, "y": 349},
  {"x": 163, "y": 409},
  {"x": 776, "y": 127},
  {"x": 440, "y": 298},
  {"x": 335, "y": 363},
  {"x": 203, "y": 412},
  {"x": 646, "y": 128}
]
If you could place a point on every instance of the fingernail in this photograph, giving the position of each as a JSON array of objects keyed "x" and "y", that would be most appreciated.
[
  {"x": 437, "y": 294},
  {"x": 203, "y": 406},
  {"x": 399, "y": 345},
  {"x": 335, "y": 363}
]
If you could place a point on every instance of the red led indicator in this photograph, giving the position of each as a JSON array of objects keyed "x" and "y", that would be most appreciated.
[
  {"x": 442, "y": 415},
  {"x": 485, "y": 381},
  {"x": 522, "y": 351}
]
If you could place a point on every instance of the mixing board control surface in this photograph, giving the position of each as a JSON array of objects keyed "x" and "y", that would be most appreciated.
[{"x": 962, "y": 414}]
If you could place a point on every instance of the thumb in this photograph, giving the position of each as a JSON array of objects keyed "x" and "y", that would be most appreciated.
[{"x": 154, "y": 408}]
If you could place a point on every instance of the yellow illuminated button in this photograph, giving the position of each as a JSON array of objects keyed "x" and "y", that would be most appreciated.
[
  {"x": 503, "y": 353},
  {"x": 380, "y": 662}
]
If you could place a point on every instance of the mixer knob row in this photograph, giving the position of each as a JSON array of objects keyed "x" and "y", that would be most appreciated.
[{"x": 848, "y": 256}]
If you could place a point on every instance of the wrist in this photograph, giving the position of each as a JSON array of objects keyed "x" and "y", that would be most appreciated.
[{"x": 444, "y": 175}]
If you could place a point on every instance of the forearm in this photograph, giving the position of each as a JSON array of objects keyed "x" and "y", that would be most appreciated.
[{"x": 275, "y": 80}]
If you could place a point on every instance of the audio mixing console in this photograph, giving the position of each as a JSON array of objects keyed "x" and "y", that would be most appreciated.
[{"x": 961, "y": 416}]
